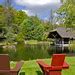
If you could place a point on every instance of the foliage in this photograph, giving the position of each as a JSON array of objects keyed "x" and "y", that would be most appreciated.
[
  {"x": 32, "y": 30},
  {"x": 17, "y": 26},
  {"x": 29, "y": 51},
  {"x": 1, "y": 16},
  {"x": 10, "y": 20},
  {"x": 19, "y": 17},
  {"x": 19, "y": 37},
  {"x": 21, "y": 27},
  {"x": 67, "y": 10}
]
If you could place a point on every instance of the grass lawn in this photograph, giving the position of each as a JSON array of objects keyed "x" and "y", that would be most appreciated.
[{"x": 32, "y": 68}]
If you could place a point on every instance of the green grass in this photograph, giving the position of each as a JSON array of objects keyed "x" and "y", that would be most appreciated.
[
  {"x": 32, "y": 68},
  {"x": 35, "y": 42}
]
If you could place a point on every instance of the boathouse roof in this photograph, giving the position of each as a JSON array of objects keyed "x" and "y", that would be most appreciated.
[{"x": 62, "y": 33}]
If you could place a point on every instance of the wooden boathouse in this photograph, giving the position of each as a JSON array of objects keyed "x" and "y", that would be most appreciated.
[{"x": 62, "y": 37}]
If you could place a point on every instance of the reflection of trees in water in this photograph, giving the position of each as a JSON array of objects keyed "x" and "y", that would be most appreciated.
[
  {"x": 27, "y": 51},
  {"x": 34, "y": 51},
  {"x": 1, "y": 49},
  {"x": 57, "y": 49}
]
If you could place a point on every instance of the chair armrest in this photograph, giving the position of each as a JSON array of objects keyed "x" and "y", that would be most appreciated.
[
  {"x": 17, "y": 67},
  {"x": 47, "y": 67},
  {"x": 4, "y": 71},
  {"x": 41, "y": 63},
  {"x": 54, "y": 68},
  {"x": 65, "y": 65}
]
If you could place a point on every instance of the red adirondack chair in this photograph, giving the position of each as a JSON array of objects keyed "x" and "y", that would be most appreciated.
[
  {"x": 5, "y": 66},
  {"x": 56, "y": 67}
]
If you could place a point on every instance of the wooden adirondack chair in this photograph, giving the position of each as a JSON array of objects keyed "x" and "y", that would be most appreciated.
[
  {"x": 5, "y": 66},
  {"x": 56, "y": 67}
]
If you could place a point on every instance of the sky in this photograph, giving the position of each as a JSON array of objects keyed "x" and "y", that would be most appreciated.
[{"x": 41, "y": 8}]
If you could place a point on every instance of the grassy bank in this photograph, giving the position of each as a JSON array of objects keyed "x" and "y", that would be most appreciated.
[
  {"x": 36, "y": 42},
  {"x": 32, "y": 68}
]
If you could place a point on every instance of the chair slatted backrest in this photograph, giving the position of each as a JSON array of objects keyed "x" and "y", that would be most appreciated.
[
  {"x": 58, "y": 59},
  {"x": 4, "y": 62}
]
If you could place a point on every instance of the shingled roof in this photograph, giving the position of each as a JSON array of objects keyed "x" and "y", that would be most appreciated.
[{"x": 63, "y": 33}]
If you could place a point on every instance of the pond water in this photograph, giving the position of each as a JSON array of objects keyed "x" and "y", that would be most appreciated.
[{"x": 29, "y": 52}]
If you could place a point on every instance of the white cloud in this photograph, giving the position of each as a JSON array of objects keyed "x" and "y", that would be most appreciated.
[
  {"x": 36, "y": 2},
  {"x": 40, "y": 8}
]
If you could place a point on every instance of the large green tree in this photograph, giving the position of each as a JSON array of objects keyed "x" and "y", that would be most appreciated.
[
  {"x": 19, "y": 17},
  {"x": 32, "y": 30},
  {"x": 10, "y": 20},
  {"x": 68, "y": 10}
]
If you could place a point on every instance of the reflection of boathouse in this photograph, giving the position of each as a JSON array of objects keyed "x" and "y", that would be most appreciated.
[{"x": 62, "y": 37}]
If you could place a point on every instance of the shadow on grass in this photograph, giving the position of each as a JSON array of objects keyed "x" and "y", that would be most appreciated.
[
  {"x": 39, "y": 73},
  {"x": 22, "y": 73}
]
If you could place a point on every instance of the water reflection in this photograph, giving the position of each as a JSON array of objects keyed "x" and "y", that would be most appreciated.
[
  {"x": 29, "y": 52},
  {"x": 1, "y": 50}
]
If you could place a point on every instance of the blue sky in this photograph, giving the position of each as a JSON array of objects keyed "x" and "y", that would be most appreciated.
[{"x": 41, "y": 8}]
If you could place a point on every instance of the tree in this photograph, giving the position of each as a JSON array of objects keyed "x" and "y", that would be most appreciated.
[
  {"x": 2, "y": 29},
  {"x": 32, "y": 30},
  {"x": 19, "y": 17},
  {"x": 10, "y": 20},
  {"x": 7, "y": 19},
  {"x": 68, "y": 10},
  {"x": 1, "y": 16}
]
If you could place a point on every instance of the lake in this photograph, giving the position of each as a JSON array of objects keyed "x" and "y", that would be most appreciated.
[{"x": 31, "y": 51}]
